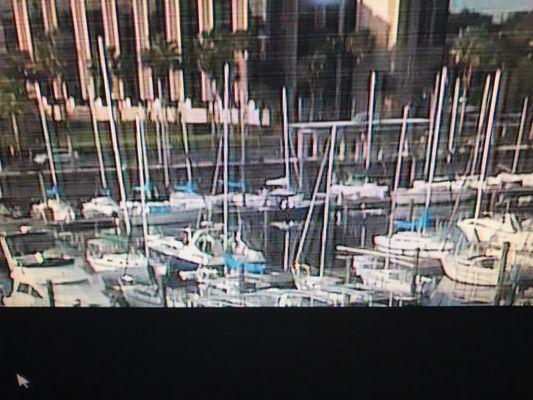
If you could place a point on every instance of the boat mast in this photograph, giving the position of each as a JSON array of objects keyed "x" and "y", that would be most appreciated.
[
  {"x": 453, "y": 123},
  {"x": 311, "y": 208},
  {"x": 520, "y": 134},
  {"x": 226, "y": 132},
  {"x": 145, "y": 154},
  {"x": 481, "y": 120},
  {"x": 46, "y": 137},
  {"x": 488, "y": 138},
  {"x": 285, "y": 135},
  {"x": 326, "y": 203},
  {"x": 243, "y": 146},
  {"x": 436, "y": 133},
  {"x": 370, "y": 122},
  {"x": 96, "y": 132},
  {"x": 140, "y": 165},
  {"x": 113, "y": 131},
  {"x": 398, "y": 167},
  {"x": 432, "y": 110},
  {"x": 166, "y": 150},
  {"x": 185, "y": 139}
]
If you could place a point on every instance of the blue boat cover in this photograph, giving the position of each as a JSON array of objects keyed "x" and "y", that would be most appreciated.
[
  {"x": 52, "y": 192},
  {"x": 237, "y": 184},
  {"x": 158, "y": 209},
  {"x": 418, "y": 223},
  {"x": 253, "y": 268},
  {"x": 147, "y": 187},
  {"x": 189, "y": 187}
]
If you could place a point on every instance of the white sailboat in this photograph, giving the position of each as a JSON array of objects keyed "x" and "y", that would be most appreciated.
[
  {"x": 411, "y": 243},
  {"x": 60, "y": 210},
  {"x": 358, "y": 189},
  {"x": 476, "y": 269},
  {"x": 497, "y": 229},
  {"x": 109, "y": 255},
  {"x": 100, "y": 206},
  {"x": 387, "y": 274},
  {"x": 45, "y": 272},
  {"x": 444, "y": 191}
]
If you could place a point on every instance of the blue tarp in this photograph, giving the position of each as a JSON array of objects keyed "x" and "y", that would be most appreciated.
[
  {"x": 189, "y": 187},
  {"x": 147, "y": 187},
  {"x": 253, "y": 268},
  {"x": 52, "y": 192},
  {"x": 239, "y": 184},
  {"x": 418, "y": 223},
  {"x": 158, "y": 209}
]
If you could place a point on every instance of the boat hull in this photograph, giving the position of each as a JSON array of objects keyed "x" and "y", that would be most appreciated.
[
  {"x": 473, "y": 275},
  {"x": 175, "y": 217}
]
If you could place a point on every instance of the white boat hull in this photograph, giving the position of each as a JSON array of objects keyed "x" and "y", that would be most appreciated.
[{"x": 410, "y": 244}]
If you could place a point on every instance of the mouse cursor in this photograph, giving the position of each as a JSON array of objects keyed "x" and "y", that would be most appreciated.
[{"x": 23, "y": 381}]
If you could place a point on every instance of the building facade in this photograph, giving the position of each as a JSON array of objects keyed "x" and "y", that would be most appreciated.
[{"x": 408, "y": 35}]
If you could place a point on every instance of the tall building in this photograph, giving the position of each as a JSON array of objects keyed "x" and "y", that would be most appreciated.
[
  {"x": 410, "y": 38},
  {"x": 408, "y": 35},
  {"x": 408, "y": 50}
]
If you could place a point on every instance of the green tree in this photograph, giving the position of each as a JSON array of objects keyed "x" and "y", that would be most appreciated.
[
  {"x": 13, "y": 103},
  {"x": 115, "y": 65},
  {"x": 212, "y": 50},
  {"x": 162, "y": 56},
  {"x": 49, "y": 67},
  {"x": 472, "y": 48},
  {"x": 311, "y": 73},
  {"x": 358, "y": 45}
]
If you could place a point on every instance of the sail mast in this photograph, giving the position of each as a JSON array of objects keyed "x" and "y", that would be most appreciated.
[
  {"x": 285, "y": 135},
  {"x": 398, "y": 167},
  {"x": 96, "y": 132},
  {"x": 142, "y": 184},
  {"x": 436, "y": 133},
  {"x": 226, "y": 133},
  {"x": 488, "y": 138},
  {"x": 113, "y": 131},
  {"x": 370, "y": 116},
  {"x": 520, "y": 134},
  {"x": 326, "y": 203}
]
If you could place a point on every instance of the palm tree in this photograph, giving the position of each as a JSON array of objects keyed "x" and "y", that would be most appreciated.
[
  {"x": 115, "y": 66},
  {"x": 162, "y": 56},
  {"x": 358, "y": 45},
  {"x": 13, "y": 99},
  {"x": 49, "y": 66},
  {"x": 12, "y": 104},
  {"x": 311, "y": 72},
  {"x": 472, "y": 48}
]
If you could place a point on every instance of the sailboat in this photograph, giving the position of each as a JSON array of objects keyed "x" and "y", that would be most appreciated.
[
  {"x": 412, "y": 242},
  {"x": 135, "y": 290},
  {"x": 442, "y": 191},
  {"x": 356, "y": 188},
  {"x": 102, "y": 205},
  {"x": 109, "y": 255},
  {"x": 60, "y": 210},
  {"x": 183, "y": 206},
  {"x": 497, "y": 229},
  {"x": 474, "y": 269},
  {"x": 387, "y": 274}
]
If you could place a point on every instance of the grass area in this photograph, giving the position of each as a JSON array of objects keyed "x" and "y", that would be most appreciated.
[{"x": 199, "y": 137}]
